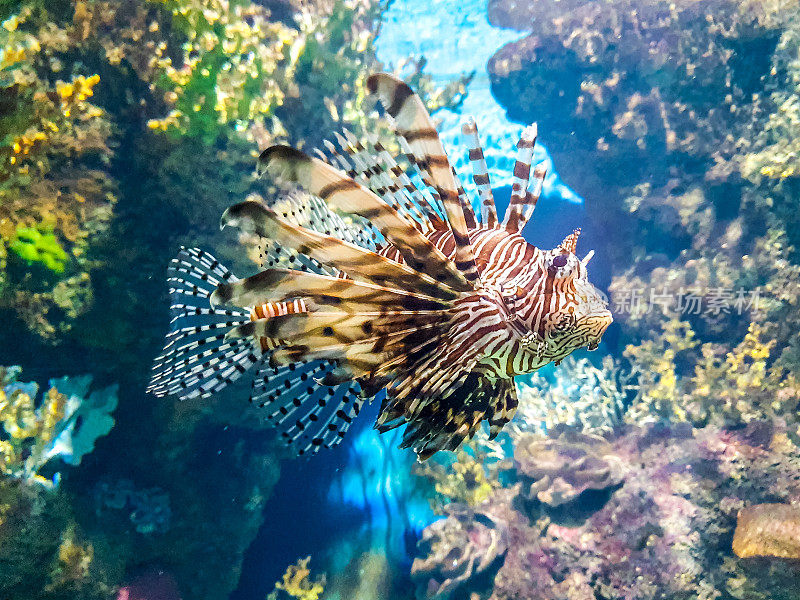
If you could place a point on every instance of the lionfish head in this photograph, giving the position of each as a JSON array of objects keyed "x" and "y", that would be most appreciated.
[
  {"x": 579, "y": 312},
  {"x": 561, "y": 308}
]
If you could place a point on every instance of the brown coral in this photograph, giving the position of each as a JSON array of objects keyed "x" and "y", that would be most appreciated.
[{"x": 768, "y": 530}]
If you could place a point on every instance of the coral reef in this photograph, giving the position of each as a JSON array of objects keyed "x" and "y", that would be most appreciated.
[
  {"x": 461, "y": 555},
  {"x": 229, "y": 75},
  {"x": 652, "y": 80},
  {"x": 768, "y": 530},
  {"x": 664, "y": 534},
  {"x": 55, "y": 193},
  {"x": 64, "y": 425},
  {"x": 570, "y": 471},
  {"x": 44, "y": 553}
]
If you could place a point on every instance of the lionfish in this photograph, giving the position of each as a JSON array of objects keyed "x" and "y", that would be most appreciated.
[{"x": 435, "y": 313}]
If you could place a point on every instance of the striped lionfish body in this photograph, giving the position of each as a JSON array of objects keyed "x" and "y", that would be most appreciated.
[{"x": 426, "y": 305}]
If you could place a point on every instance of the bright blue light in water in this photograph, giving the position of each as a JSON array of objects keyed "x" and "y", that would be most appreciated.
[{"x": 455, "y": 36}]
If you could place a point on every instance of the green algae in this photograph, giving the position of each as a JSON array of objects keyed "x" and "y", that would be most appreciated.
[{"x": 39, "y": 245}]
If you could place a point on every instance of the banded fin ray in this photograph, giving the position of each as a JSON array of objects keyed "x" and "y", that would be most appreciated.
[
  {"x": 365, "y": 356},
  {"x": 345, "y": 294},
  {"x": 532, "y": 197},
  {"x": 322, "y": 328},
  {"x": 521, "y": 176},
  {"x": 480, "y": 173},
  {"x": 413, "y": 123},
  {"x": 358, "y": 263},
  {"x": 342, "y": 193}
]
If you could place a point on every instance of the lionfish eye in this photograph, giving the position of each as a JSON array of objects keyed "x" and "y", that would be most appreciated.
[{"x": 560, "y": 260}]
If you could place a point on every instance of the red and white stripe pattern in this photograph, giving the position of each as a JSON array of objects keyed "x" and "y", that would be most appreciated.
[{"x": 480, "y": 173}]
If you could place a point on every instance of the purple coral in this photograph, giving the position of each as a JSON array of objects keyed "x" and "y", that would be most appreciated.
[
  {"x": 568, "y": 469},
  {"x": 461, "y": 556}
]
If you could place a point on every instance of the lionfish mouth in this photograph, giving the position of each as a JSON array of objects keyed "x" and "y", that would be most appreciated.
[{"x": 604, "y": 321}]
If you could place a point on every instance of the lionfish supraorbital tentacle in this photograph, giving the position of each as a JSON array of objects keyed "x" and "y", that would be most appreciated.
[
  {"x": 413, "y": 123},
  {"x": 480, "y": 173}
]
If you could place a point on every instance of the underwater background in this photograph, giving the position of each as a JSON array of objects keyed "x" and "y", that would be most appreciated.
[{"x": 666, "y": 464}]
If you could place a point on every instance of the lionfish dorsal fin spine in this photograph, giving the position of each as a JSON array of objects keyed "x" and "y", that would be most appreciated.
[
  {"x": 280, "y": 285},
  {"x": 342, "y": 193},
  {"x": 512, "y": 220},
  {"x": 466, "y": 206},
  {"x": 360, "y": 264},
  {"x": 480, "y": 173},
  {"x": 413, "y": 123},
  {"x": 532, "y": 196}
]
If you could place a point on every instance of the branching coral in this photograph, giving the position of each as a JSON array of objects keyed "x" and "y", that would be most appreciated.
[
  {"x": 728, "y": 388},
  {"x": 298, "y": 584},
  {"x": 65, "y": 424},
  {"x": 579, "y": 394},
  {"x": 655, "y": 361},
  {"x": 460, "y": 555}
]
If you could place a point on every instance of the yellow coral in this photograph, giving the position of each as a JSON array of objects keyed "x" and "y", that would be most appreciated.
[
  {"x": 297, "y": 584},
  {"x": 28, "y": 430},
  {"x": 655, "y": 361},
  {"x": 228, "y": 73},
  {"x": 467, "y": 482}
]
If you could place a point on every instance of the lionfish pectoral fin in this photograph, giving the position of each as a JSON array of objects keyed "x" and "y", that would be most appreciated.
[
  {"x": 310, "y": 407},
  {"x": 198, "y": 358},
  {"x": 344, "y": 295}
]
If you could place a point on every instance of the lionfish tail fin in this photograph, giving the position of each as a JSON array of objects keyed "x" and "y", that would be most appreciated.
[{"x": 197, "y": 360}]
